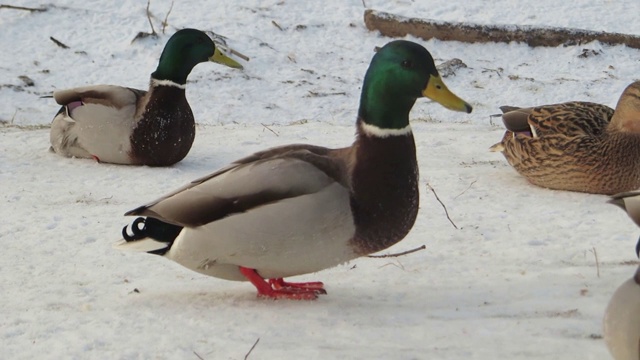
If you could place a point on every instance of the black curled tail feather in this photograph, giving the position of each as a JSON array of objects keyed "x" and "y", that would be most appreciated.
[
  {"x": 151, "y": 228},
  {"x": 138, "y": 233}
]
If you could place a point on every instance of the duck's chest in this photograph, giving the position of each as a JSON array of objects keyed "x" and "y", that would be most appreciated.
[
  {"x": 385, "y": 196},
  {"x": 166, "y": 128}
]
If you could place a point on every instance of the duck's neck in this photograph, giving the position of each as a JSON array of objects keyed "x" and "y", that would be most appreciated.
[
  {"x": 626, "y": 117},
  {"x": 383, "y": 108},
  {"x": 174, "y": 67},
  {"x": 159, "y": 83},
  {"x": 385, "y": 185}
]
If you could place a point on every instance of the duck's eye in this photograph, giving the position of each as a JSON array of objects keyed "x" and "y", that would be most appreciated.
[{"x": 407, "y": 64}]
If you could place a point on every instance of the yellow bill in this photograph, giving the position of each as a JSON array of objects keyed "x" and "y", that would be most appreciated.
[
  {"x": 221, "y": 58},
  {"x": 437, "y": 91}
]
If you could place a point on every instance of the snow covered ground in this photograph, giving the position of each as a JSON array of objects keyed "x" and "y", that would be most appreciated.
[{"x": 517, "y": 279}]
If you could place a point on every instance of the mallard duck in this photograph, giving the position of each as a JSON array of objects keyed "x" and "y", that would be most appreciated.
[
  {"x": 120, "y": 125},
  {"x": 577, "y": 146},
  {"x": 299, "y": 209},
  {"x": 621, "y": 324}
]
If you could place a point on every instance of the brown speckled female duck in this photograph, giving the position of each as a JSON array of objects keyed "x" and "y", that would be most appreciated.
[
  {"x": 577, "y": 146},
  {"x": 300, "y": 209},
  {"x": 120, "y": 125}
]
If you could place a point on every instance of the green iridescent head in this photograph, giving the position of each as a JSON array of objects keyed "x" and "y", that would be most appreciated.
[
  {"x": 399, "y": 73},
  {"x": 186, "y": 49}
]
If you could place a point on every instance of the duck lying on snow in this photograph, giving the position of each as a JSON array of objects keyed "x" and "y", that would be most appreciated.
[
  {"x": 120, "y": 125},
  {"x": 299, "y": 209},
  {"x": 577, "y": 146},
  {"x": 622, "y": 316}
]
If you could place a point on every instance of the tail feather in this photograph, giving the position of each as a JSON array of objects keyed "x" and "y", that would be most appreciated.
[
  {"x": 149, "y": 235},
  {"x": 497, "y": 147}
]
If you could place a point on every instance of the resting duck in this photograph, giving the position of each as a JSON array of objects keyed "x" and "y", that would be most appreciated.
[
  {"x": 621, "y": 323},
  {"x": 120, "y": 125},
  {"x": 577, "y": 146},
  {"x": 299, "y": 209}
]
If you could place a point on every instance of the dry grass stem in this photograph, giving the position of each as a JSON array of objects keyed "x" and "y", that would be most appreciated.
[
  {"x": 165, "y": 22},
  {"x": 268, "y": 128},
  {"x": 465, "y": 190},
  {"x": 595, "y": 254},
  {"x": 399, "y": 254}
]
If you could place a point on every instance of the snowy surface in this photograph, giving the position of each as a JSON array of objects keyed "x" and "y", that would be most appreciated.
[{"x": 517, "y": 279}]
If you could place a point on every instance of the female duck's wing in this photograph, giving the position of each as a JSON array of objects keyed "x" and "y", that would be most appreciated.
[{"x": 574, "y": 118}]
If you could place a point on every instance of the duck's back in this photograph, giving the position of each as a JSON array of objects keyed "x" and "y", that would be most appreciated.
[{"x": 575, "y": 118}]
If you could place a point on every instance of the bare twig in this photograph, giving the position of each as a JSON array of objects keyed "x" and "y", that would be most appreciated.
[
  {"x": 166, "y": 18},
  {"x": 250, "y": 350},
  {"x": 595, "y": 254},
  {"x": 276, "y": 25},
  {"x": 196, "y": 354},
  {"x": 398, "y": 26},
  {"x": 468, "y": 187},
  {"x": 153, "y": 31},
  {"x": 268, "y": 128},
  {"x": 441, "y": 203},
  {"x": 57, "y": 42},
  {"x": 13, "y": 7},
  {"x": 399, "y": 254}
]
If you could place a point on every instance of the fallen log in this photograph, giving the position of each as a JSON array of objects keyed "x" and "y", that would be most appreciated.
[{"x": 399, "y": 26}]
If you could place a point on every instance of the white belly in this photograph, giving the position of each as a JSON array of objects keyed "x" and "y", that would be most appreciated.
[{"x": 295, "y": 236}]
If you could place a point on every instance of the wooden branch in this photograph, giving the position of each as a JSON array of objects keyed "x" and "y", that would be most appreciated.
[{"x": 398, "y": 26}]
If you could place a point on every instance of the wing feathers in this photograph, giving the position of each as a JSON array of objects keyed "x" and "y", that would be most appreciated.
[
  {"x": 239, "y": 188},
  {"x": 108, "y": 95}
]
